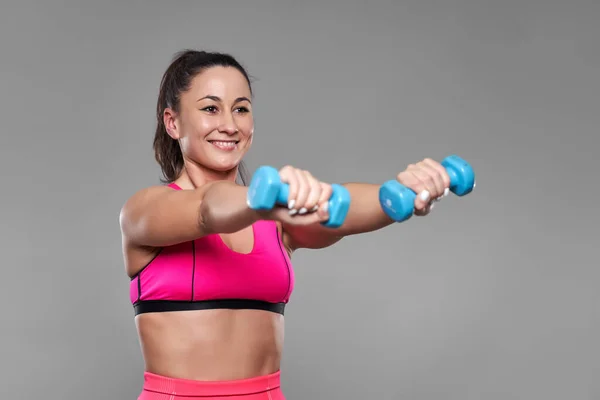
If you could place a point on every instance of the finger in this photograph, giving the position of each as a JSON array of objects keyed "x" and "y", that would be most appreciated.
[
  {"x": 314, "y": 193},
  {"x": 425, "y": 211},
  {"x": 323, "y": 202},
  {"x": 285, "y": 217},
  {"x": 411, "y": 181},
  {"x": 426, "y": 179},
  {"x": 303, "y": 191},
  {"x": 429, "y": 191},
  {"x": 288, "y": 176},
  {"x": 442, "y": 171},
  {"x": 424, "y": 193},
  {"x": 435, "y": 176}
]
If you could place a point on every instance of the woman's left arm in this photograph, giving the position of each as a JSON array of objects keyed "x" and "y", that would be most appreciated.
[{"x": 427, "y": 178}]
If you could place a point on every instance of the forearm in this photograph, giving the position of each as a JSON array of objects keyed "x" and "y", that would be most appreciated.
[
  {"x": 365, "y": 213},
  {"x": 224, "y": 208}
]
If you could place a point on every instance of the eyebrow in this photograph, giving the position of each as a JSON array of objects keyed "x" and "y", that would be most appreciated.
[{"x": 217, "y": 98}]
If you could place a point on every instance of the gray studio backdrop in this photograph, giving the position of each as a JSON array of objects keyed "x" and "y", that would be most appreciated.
[{"x": 492, "y": 297}]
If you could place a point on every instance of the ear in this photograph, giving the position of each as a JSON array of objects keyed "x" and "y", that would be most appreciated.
[{"x": 170, "y": 122}]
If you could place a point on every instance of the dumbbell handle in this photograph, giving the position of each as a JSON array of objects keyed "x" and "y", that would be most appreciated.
[{"x": 398, "y": 201}]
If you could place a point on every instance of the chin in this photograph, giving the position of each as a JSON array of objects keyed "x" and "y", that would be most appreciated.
[
  {"x": 223, "y": 165},
  {"x": 223, "y": 168}
]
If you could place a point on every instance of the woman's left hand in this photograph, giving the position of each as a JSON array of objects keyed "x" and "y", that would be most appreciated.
[{"x": 429, "y": 180}]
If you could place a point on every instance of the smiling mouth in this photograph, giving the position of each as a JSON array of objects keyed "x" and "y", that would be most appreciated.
[{"x": 224, "y": 144}]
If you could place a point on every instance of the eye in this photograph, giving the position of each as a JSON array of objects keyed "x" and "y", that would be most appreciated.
[
  {"x": 242, "y": 110},
  {"x": 210, "y": 109}
]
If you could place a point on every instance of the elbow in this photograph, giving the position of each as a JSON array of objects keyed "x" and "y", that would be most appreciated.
[
  {"x": 207, "y": 219},
  {"x": 214, "y": 218},
  {"x": 221, "y": 210},
  {"x": 217, "y": 217}
]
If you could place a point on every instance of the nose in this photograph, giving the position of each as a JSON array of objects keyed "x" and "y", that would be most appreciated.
[{"x": 228, "y": 124}]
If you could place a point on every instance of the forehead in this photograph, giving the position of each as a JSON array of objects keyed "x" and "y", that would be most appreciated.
[{"x": 224, "y": 82}]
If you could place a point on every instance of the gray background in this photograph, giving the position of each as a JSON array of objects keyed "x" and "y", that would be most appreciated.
[{"x": 493, "y": 296}]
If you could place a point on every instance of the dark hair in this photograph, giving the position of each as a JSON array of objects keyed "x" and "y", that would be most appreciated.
[{"x": 185, "y": 65}]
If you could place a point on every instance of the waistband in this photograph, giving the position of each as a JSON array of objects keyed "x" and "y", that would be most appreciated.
[
  {"x": 186, "y": 387},
  {"x": 147, "y": 306}
]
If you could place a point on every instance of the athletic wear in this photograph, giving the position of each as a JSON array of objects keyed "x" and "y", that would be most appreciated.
[
  {"x": 157, "y": 387},
  {"x": 205, "y": 273}
]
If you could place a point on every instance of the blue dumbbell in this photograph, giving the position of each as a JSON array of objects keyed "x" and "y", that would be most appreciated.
[
  {"x": 398, "y": 201},
  {"x": 266, "y": 190}
]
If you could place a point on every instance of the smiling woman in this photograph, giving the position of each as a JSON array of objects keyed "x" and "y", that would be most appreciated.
[
  {"x": 199, "y": 102},
  {"x": 209, "y": 276}
]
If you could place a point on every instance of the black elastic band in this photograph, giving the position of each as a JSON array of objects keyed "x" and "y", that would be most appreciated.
[{"x": 141, "y": 307}]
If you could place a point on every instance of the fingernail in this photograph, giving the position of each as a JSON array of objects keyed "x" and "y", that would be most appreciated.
[
  {"x": 315, "y": 208},
  {"x": 431, "y": 206},
  {"x": 293, "y": 211},
  {"x": 302, "y": 211},
  {"x": 446, "y": 192},
  {"x": 424, "y": 195},
  {"x": 325, "y": 208},
  {"x": 439, "y": 198},
  {"x": 291, "y": 203}
]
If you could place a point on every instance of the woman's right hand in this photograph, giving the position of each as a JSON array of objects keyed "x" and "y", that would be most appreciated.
[{"x": 308, "y": 198}]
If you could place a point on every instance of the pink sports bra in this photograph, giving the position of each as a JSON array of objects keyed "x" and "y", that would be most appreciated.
[{"x": 206, "y": 274}]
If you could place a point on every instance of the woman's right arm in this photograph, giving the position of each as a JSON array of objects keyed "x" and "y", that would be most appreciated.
[{"x": 160, "y": 216}]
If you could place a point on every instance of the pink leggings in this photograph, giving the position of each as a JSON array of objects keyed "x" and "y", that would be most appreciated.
[{"x": 157, "y": 387}]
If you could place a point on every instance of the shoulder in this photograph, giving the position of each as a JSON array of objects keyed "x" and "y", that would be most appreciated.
[
  {"x": 144, "y": 194},
  {"x": 135, "y": 202}
]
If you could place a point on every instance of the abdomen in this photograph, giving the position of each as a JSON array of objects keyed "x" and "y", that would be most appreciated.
[{"x": 212, "y": 344}]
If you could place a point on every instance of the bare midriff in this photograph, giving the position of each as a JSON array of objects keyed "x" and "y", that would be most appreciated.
[{"x": 211, "y": 345}]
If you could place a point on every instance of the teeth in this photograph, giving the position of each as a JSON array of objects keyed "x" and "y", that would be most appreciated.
[{"x": 224, "y": 144}]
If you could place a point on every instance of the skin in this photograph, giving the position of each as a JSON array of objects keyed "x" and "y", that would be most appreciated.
[{"x": 235, "y": 344}]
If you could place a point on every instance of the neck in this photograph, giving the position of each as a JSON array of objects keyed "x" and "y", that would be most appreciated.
[{"x": 195, "y": 176}]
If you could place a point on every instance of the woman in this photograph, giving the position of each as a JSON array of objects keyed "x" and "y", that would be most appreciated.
[{"x": 209, "y": 276}]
